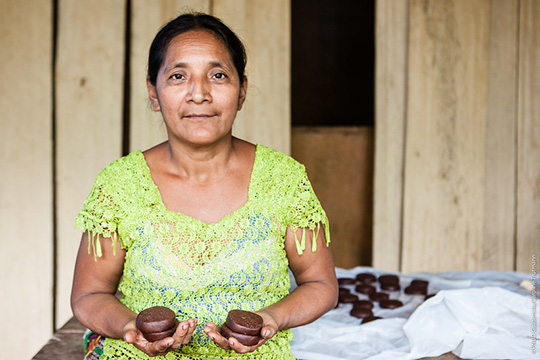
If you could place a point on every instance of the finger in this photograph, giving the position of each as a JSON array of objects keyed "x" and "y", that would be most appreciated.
[
  {"x": 239, "y": 347},
  {"x": 160, "y": 347},
  {"x": 183, "y": 333},
  {"x": 214, "y": 333},
  {"x": 191, "y": 330},
  {"x": 211, "y": 327}
]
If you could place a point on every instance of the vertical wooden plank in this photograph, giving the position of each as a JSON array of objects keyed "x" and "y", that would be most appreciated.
[
  {"x": 500, "y": 164},
  {"x": 445, "y": 141},
  {"x": 528, "y": 190},
  {"x": 390, "y": 109},
  {"x": 26, "y": 181},
  {"x": 147, "y": 128},
  {"x": 339, "y": 163},
  {"x": 264, "y": 26},
  {"x": 89, "y": 88}
]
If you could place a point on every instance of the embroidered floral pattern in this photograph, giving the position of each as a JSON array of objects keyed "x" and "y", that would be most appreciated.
[{"x": 203, "y": 270}]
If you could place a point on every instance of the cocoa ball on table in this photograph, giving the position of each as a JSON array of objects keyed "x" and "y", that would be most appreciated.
[{"x": 156, "y": 323}]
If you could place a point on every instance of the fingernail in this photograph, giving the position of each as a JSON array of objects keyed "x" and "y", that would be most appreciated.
[
  {"x": 267, "y": 333},
  {"x": 184, "y": 327}
]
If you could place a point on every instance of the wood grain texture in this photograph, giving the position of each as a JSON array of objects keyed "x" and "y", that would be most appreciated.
[
  {"x": 498, "y": 243},
  {"x": 339, "y": 163},
  {"x": 445, "y": 141},
  {"x": 146, "y": 126},
  {"x": 390, "y": 103},
  {"x": 89, "y": 86},
  {"x": 26, "y": 217},
  {"x": 528, "y": 169},
  {"x": 264, "y": 26}
]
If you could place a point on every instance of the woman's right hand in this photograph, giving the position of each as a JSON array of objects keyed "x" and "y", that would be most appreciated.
[{"x": 184, "y": 331}]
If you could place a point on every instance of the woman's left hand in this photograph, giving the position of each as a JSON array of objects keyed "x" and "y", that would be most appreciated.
[{"x": 268, "y": 330}]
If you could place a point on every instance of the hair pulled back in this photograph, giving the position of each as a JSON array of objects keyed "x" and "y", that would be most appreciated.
[{"x": 195, "y": 21}]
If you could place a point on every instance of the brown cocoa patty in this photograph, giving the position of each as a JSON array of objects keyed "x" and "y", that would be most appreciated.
[
  {"x": 156, "y": 319},
  {"x": 247, "y": 340},
  {"x": 244, "y": 322},
  {"x": 159, "y": 335}
]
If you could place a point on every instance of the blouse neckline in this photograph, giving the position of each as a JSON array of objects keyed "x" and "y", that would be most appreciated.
[{"x": 159, "y": 199}]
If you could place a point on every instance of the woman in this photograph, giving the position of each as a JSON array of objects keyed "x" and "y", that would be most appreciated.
[{"x": 203, "y": 223}]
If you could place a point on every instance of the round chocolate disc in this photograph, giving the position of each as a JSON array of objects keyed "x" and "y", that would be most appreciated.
[
  {"x": 370, "y": 318},
  {"x": 419, "y": 283},
  {"x": 390, "y": 287},
  {"x": 366, "y": 304},
  {"x": 390, "y": 304},
  {"x": 414, "y": 290},
  {"x": 361, "y": 312},
  {"x": 247, "y": 340},
  {"x": 366, "y": 278},
  {"x": 244, "y": 322},
  {"x": 348, "y": 298},
  {"x": 346, "y": 281},
  {"x": 156, "y": 319},
  {"x": 365, "y": 289},
  {"x": 386, "y": 279},
  {"x": 344, "y": 291},
  {"x": 159, "y": 335},
  {"x": 378, "y": 296}
]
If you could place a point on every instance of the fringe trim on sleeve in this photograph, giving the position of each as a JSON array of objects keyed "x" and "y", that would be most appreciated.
[
  {"x": 301, "y": 245},
  {"x": 94, "y": 244}
]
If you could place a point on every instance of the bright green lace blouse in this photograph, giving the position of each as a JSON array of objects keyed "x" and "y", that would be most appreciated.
[{"x": 203, "y": 270}]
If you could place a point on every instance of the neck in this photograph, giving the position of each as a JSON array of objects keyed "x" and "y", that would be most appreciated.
[{"x": 201, "y": 163}]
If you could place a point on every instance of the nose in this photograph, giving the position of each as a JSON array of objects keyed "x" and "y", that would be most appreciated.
[{"x": 199, "y": 91}]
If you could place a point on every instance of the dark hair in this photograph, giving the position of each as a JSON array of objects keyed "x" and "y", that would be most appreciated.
[{"x": 195, "y": 21}]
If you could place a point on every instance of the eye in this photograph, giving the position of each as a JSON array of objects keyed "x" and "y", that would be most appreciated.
[
  {"x": 220, "y": 76},
  {"x": 177, "y": 77}
]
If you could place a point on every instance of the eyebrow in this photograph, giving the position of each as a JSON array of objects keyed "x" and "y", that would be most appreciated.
[{"x": 181, "y": 65}]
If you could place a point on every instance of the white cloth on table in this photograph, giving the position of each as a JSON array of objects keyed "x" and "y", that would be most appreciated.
[{"x": 476, "y": 315}]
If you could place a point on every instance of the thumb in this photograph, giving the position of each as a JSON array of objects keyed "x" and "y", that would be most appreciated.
[
  {"x": 268, "y": 332},
  {"x": 130, "y": 336}
]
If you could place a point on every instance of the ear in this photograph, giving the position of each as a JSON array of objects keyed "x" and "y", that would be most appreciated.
[
  {"x": 243, "y": 92},
  {"x": 152, "y": 94}
]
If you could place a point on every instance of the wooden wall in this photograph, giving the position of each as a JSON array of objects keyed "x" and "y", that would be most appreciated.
[
  {"x": 73, "y": 98},
  {"x": 339, "y": 164},
  {"x": 457, "y": 180},
  {"x": 26, "y": 211}
]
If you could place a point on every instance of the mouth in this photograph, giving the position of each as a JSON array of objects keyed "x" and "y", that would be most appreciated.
[{"x": 198, "y": 116}]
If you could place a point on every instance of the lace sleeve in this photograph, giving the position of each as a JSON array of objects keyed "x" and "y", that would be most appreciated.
[
  {"x": 100, "y": 214},
  {"x": 307, "y": 213}
]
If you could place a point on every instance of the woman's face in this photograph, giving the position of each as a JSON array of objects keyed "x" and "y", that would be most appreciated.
[{"x": 197, "y": 89}]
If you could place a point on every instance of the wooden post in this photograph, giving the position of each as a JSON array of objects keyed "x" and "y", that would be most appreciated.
[
  {"x": 264, "y": 26},
  {"x": 89, "y": 86},
  {"x": 146, "y": 126},
  {"x": 390, "y": 108},
  {"x": 528, "y": 169},
  {"x": 446, "y": 135}
]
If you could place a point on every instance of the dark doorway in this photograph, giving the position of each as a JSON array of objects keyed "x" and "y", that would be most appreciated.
[{"x": 333, "y": 62}]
